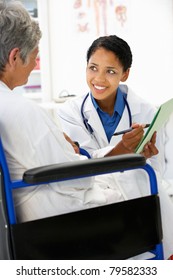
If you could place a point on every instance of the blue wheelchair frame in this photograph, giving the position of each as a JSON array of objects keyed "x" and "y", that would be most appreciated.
[{"x": 43, "y": 175}]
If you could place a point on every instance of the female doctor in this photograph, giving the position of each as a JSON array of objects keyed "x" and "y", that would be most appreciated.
[{"x": 108, "y": 108}]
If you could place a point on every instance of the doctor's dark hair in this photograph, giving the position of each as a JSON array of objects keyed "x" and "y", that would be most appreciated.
[
  {"x": 114, "y": 44},
  {"x": 17, "y": 30}
]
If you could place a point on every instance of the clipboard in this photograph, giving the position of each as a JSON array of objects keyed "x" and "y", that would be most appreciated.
[{"x": 160, "y": 118}]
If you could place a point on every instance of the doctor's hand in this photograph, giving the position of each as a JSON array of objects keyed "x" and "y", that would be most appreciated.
[
  {"x": 150, "y": 148},
  {"x": 130, "y": 141}
]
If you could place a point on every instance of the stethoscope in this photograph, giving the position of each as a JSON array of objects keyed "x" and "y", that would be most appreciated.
[{"x": 85, "y": 120}]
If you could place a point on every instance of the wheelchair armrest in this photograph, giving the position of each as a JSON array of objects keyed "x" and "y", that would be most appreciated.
[{"x": 84, "y": 168}]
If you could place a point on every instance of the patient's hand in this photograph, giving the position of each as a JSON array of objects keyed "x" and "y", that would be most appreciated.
[
  {"x": 150, "y": 149},
  {"x": 75, "y": 147}
]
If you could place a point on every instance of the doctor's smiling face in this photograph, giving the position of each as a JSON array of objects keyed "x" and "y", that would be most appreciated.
[
  {"x": 104, "y": 73},
  {"x": 109, "y": 59}
]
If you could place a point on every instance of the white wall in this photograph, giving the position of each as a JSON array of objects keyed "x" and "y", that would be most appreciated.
[
  {"x": 152, "y": 44},
  {"x": 148, "y": 30}
]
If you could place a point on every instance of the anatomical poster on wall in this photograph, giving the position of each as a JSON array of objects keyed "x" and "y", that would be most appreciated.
[{"x": 101, "y": 17}]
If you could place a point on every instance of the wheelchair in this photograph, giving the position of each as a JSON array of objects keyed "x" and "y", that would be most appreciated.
[{"x": 116, "y": 231}]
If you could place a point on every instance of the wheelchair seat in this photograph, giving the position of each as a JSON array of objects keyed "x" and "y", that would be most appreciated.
[{"x": 116, "y": 231}]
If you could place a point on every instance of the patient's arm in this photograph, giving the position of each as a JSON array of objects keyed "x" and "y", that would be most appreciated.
[{"x": 74, "y": 145}]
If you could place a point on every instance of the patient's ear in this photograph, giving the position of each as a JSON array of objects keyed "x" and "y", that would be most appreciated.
[
  {"x": 14, "y": 54},
  {"x": 125, "y": 75}
]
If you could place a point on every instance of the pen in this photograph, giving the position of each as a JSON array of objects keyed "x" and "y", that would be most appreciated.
[{"x": 128, "y": 130}]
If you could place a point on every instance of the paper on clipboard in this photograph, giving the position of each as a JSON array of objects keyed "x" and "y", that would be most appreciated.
[{"x": 161, "y": 116}]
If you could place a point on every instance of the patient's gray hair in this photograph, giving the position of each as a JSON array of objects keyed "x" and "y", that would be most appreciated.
[{"x": 17, "y": 30}]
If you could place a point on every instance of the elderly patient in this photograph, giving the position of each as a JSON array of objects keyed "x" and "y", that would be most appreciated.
[{"x": 31, "y": 138}]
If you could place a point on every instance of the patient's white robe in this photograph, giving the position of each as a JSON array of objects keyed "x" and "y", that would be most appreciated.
[{"x": 31, "y": 139}]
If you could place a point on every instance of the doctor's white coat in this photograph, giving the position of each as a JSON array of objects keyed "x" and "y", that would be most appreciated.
[{"x": 97, "y": 143}]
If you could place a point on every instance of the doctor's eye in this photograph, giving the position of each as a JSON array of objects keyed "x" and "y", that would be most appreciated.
[
  {"x": 93, "y": 68},
  {"x": 112, "y": 72}
]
